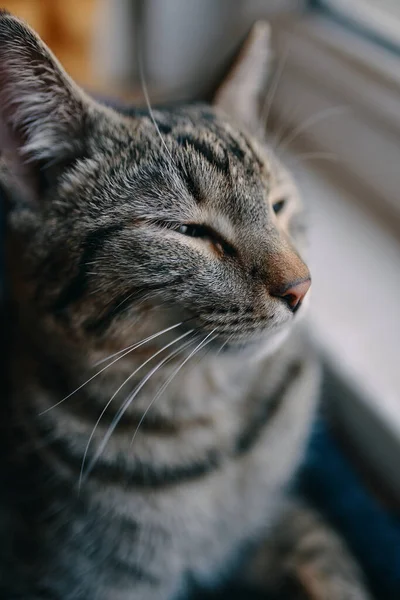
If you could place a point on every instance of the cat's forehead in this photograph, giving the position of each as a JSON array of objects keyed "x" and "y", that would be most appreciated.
[
  {"x": 209, "y": 132},
  {"x": 214, "y": 158},
  {"x": 189, "y": 162}
]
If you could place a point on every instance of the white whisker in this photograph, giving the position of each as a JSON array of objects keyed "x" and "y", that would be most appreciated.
[
  {"x": 202, "y": 344},
  {"x": 151, "y": 113},
  {"x": 137, "y": 344},
  {"x": 273, "y": 87},
  {"x": 124, "y": 353},
  {"x": 324, "y": 156},
  {"x": 322, "y": 115},
  {"x": 224, "y": 344},
  {"x": 125, "y": 405}
]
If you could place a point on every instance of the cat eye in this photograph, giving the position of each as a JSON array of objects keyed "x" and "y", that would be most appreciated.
[
  {"x": 278, "y": 206},
  {"x": 196, "y": 231},
  {"x": 203, "y": 232}
]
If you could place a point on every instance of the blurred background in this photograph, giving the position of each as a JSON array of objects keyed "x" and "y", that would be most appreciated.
[{"x": 333, "y": 109}]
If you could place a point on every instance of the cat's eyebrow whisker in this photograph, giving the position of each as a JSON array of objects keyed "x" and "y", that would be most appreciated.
[
  {"x": 151, "y": 113},
  {"x": 314, "y": 119},
  {"x": 307, "y": 156},
  {"x": 199, "y": 347},
  {"x": 270, "y": 96},
  {"x": 122, "y": 353},
  {"x": 125, "y": 406}
]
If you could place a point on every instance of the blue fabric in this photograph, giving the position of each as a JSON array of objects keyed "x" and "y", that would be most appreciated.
[{"x": 330, "y": 482}]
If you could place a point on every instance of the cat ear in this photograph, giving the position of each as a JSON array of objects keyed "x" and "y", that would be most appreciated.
[
  {"x": 42, "y": 111},
  {"x": 240, "y": 92}
]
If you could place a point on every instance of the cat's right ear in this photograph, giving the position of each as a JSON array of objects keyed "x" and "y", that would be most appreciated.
[
  {"x": 240, "y": 91},
  {"x": 43, "y": 113}
]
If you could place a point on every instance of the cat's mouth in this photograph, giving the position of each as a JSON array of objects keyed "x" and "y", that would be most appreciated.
[
  {"x": 237, "y": 333},
  {"x": 240, "y": 343},
  {"x": 218, "y": 329}
]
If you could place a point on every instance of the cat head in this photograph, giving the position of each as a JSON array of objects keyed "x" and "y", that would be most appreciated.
[{"x": 123, "y": 223}]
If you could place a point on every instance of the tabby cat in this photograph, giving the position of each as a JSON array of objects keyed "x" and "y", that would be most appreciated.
[{"x": 160, "y": 388}]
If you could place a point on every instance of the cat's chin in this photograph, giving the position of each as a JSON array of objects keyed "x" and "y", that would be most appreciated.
[
  {"x": 272, "y": 343},
  {"x": 259, "y": 346}
]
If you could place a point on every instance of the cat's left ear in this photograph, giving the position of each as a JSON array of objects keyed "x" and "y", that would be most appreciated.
[
  {"x": 43, "y": 113},
  {"x": 240, "y": 92}
]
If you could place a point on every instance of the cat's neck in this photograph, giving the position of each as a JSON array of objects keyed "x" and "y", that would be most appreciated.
[
  {"x": 202, "y": 413},
  {"x": 183, "y": 390}
]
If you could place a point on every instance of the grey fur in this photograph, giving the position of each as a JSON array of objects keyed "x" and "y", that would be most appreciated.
[{"x": 98, "y": 262}]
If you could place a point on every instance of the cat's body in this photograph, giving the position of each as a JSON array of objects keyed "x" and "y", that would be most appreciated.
[
  {"x": 209, "y": 486},
  {"x": 180, "y": 229}
]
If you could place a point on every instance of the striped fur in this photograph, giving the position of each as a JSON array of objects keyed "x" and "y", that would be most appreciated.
[{"x": 169, "y": 461}]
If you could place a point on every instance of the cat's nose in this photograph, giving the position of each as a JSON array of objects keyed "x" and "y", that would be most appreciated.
[{"x": 293, "y": 293}]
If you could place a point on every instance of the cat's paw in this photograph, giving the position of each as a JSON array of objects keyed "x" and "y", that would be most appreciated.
[
  {"x": 304, "y": 559},
  {"x": 310, "y": 581}
]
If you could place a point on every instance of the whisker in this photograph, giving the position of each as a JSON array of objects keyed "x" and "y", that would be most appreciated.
[
  {"x": 134, "y": 346},
  {"x": 273, "y": 87},
  {"x": 307, "y": 156},
  {"x": 125, "y": 406},
  {"x": 103, "y": 360},
  {"x": 202, "y": 344},
  {"x": 148, "y": 104},
  {"x": 136, "y": 300},
  {"x": 224, "y": 344},
  {"x": 322, "y": 115},
  {"x": 118, "y": 390},
  {"x": 124, "y": 352},
  {"x": 136, "y": 293}
]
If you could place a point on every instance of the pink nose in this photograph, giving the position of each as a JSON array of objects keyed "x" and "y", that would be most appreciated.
[{"x": 294, "y": 293}]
